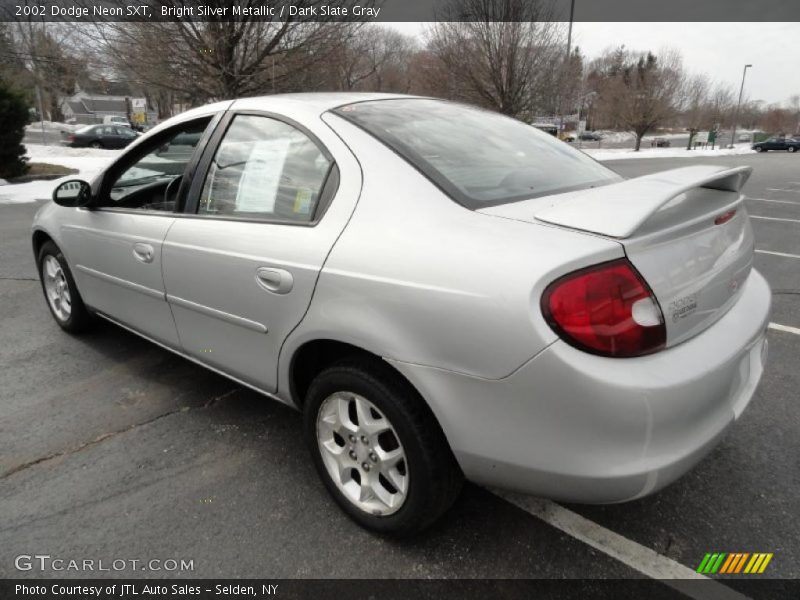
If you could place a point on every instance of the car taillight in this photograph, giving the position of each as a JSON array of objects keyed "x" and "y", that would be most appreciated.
[
  {"x": 70, "y": 138},
  {"x": 606, "y": 309}
]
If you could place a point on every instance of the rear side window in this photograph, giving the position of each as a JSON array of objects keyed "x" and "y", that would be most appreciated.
[
  {"x": 265, "y": 168},
  {"x": 479, "y": 158}
]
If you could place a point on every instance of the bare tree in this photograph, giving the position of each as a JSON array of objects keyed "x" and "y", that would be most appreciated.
[
  {"x": 721, "y": 105},
  {"x": 219, "y": 58},
  {"x": 778, "y": 120},
  {"x": 602, "y": 74},
  {"x": 642, "y": 90},
  {"x": 695, "y": 105},
  {"x": 377, "y": 59},
  {"x": 499, "y": 58},
  {"x": 12, "y": 65},
  {"x": 48, "y": 53}
]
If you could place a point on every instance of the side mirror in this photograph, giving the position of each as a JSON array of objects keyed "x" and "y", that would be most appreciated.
[{"x": 73, "y": 193}]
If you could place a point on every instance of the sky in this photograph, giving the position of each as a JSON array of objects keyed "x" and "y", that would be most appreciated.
[{"x": 719, "y": 49}]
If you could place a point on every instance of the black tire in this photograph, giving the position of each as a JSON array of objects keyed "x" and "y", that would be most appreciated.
[
  {"x": 759, "y": 149},
  {"x": 96, "y": 145},
  {"x": 80, "y": 319},
  {"x": 792, "y": 148},
  {"x": 435, "y": 478}
]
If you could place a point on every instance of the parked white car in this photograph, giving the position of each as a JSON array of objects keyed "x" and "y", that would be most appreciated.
[
  {"x": 443, "y": 292},
  {"x": 115, "y": 120}
]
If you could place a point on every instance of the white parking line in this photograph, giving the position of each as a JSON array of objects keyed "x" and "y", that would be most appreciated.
[
  {"x": 784, "y": 254},
  {"x": 785, "y": 328},
  {"x": 775, "y": 219},
  {"x": 634, "y": 555},
  {"x": 783, "y": 190},
  {"x": 775, "y": 201}
]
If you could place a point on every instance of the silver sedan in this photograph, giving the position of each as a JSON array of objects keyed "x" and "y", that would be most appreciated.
[{"x": 443, "y": 292}]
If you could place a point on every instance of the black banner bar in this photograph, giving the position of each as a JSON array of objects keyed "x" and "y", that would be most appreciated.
[
  {"x": 384, "y": 11},
  {"x": 393, "y": 589}
]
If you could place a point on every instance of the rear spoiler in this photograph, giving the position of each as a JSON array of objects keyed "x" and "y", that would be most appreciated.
[{"x": 618, "y": 210}]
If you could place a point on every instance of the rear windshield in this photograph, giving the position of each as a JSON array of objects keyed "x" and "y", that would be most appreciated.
[{"x": 479, "y": 158}]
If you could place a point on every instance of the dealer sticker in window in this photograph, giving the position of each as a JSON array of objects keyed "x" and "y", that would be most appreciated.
[{"x": 302, "y": 201}]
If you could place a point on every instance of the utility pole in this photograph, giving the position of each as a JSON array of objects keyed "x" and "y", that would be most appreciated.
[
  {"x": 41, "y": 109},
  {"x": 566, "y": 64},
  {"x": 738, "y": 104},
  {"x": 569, "y": 32}
]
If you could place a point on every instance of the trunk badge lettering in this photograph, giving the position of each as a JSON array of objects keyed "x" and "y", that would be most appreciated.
[{"x": 682, "y": 307}]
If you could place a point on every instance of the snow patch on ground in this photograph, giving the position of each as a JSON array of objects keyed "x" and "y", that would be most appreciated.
[
  {"x": 50, "y": 126},
  {"x": 88, "y": 161},
  {"x": 616, "y": 137},
  {"x": 626, "y": 153}
]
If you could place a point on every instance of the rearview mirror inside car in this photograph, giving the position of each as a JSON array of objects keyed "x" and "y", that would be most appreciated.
[{"x": 73, "y": 193}]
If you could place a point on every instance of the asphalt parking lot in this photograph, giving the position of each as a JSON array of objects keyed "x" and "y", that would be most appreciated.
[{"x": 111, "y": 447}]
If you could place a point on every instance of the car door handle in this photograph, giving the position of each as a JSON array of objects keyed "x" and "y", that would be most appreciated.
[
  {"x": 277, "y": 281},
  {"x": 143, "y": 252}
]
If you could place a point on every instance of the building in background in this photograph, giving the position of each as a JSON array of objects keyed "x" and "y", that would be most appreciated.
[{"x": 89, "y": 108}]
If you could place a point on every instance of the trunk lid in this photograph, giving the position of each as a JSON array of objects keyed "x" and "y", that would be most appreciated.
[{"x": 685, "y": 230}]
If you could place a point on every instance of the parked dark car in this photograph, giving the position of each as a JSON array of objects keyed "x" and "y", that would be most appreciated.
[
  {"x": 778, "y": 143},
  {"x": 660, "y": 142},
  {"x": 590, "y": 136},
  {"x": 101, "y": 136}
]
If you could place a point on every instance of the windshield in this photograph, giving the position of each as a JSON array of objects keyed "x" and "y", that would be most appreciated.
[{"x": 479, "y": 158}]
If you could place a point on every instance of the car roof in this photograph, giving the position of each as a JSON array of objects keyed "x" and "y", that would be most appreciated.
[
  {"x": 310, "y": 104},
  {"x": 324, "y": 101},
  {"x": 302, "y": 107}
]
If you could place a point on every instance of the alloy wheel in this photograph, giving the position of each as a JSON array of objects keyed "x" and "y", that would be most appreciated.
[
  {"x": 362, "y": 453},
  {"x": 57, "y": 288}
]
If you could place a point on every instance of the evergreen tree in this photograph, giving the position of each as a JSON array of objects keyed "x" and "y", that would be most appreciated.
[{"x": 13, "y": 118}]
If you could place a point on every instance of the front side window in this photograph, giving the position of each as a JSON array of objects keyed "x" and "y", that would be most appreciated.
[
  {"x": 479, "y": 158},
  {"x": 152, "y": 180},
  {"x": 267, "y": 169}
]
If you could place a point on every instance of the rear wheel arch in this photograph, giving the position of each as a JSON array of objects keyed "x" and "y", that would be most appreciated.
[
  {"x": 313, "y": 357},
  {"x": 425, "y": 452}
]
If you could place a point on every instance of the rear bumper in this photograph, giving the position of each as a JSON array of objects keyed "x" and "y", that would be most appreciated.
[{"x": 574, "y": 426}]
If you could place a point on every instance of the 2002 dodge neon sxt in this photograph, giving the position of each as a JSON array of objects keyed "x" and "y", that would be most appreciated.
[{"x": 443, "y": 291}]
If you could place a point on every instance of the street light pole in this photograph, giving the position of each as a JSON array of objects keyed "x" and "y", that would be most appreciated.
[{"x": 738, "y": 104}]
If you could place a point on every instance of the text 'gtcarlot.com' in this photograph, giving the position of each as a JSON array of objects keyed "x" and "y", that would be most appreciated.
[{"x": 45, "y": 562}]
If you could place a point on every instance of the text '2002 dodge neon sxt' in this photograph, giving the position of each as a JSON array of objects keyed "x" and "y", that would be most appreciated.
[{"x": 444, "y": 292}]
